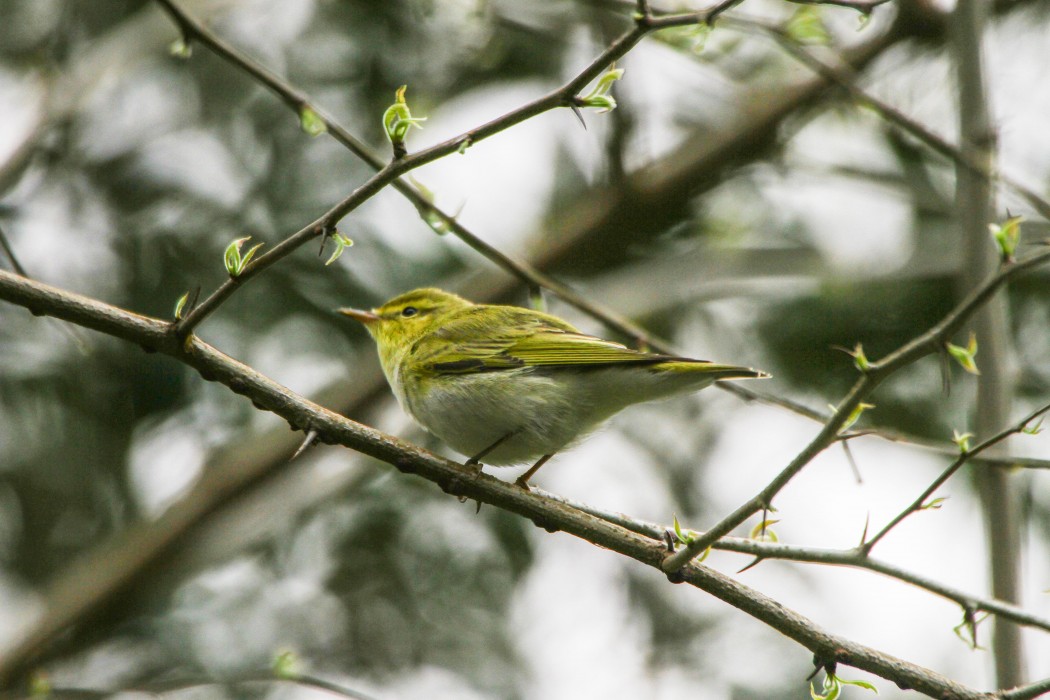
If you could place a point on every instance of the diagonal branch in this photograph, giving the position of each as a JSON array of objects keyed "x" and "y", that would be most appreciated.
[
  {"x": 564, "y": 96},
  {"x": 919, "y": 503},
  {"x": 153, "y": 335},
  {"x": 853, "y": 558},
  {"x": 844, "y": 77},
  {"x": 929, "y": 342}
]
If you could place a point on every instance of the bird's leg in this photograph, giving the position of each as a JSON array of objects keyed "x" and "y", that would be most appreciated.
[
  {"x": 475, "y": 461},
  {"x": 523, "y": 480}
]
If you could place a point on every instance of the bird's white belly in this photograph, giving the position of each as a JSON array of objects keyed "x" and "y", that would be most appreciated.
[
  {"x": 472, "y": 412},
  {"x": 537, "y": 414}
]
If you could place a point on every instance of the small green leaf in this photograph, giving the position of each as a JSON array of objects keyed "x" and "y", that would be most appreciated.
[
  {"x": 251, "y": 253},
  {"x": 180, "y": 305},
  {"x": 860, "y": 684},
  {"x": 962, "y": 441},
  {"x": 700, "y": 34},
  {"x": 833, "y": 687},
  {"x": 39, "y": 684},
  {"x": 466, "y": 143},
  {"x": 398, "y": 119},
  {"x": 935, "y": 504},
  {"x": 860, "y": 360},
  {"x": 232, "y": 255},
  {"x": 286, "y": 666},
  {"x": 763, "y": 533},
  {"x": 692, "y": 38},
  {"x": 341, "y": 244},
  {"x": 1033, "y": 429},
  {"x": 436, "y": 222},
  {"x": 311, "y": 122},
  {"x": 234, "y": 261},
  {"x": 967, "y": 629},
  {"x": 854, "y": 415},
  {"x": 806, "y": 26},
  {"x": 965, "y": 356},
  {"x": 1007, "y": 235},
  {"x": 599, "y": 96},
  {"x": 180, "y": 48},
  {"x": 683, "y": 536}
]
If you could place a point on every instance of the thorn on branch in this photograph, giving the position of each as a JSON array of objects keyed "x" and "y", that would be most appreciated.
[
  {"x": 852, "y": 462},
  {"x": 754, "y": 562},
  {"x": 311, "y": 436},
  {"x": 579, "y": 115},
  {"x": 821, "y": 664}
]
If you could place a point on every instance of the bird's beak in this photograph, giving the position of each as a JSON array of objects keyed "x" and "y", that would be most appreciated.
[{"x": 361, "y": 315}]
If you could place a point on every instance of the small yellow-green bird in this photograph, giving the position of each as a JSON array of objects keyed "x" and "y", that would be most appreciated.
[{"x": 510, "y": 385}]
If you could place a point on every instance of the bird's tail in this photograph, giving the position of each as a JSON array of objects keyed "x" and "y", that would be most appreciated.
[{"x": 710, "y": 371}]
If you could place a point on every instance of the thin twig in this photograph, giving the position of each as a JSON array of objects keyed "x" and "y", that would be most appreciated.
[
  {"x": 388, "y": 174},
  {"x": 853, "y": 558},
  {"x": 10, "y": 253},
  {"x": 924, "y": 344},
  {"x": 843, "y": 76},
  {"x": 176, "y": 684},
  {"x": 862, "y": 6},
  {"x": 919, "y": 503}
]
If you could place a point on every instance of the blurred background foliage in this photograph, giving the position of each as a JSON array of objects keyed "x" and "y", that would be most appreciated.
[{"x": 125, "y": 171}]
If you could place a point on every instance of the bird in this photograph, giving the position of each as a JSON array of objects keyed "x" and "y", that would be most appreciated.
[{"x": 509, "y": 385}]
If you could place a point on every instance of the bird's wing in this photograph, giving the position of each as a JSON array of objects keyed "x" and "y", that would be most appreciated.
[{"x": 469, "y": 343}]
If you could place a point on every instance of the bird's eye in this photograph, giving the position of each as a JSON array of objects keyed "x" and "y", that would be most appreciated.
[{"x": 409, "y": 311}]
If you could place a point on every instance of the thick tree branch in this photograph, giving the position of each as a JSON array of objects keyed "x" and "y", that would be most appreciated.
[
  {"x": 975, "y": 209},
  {"x": 154, "y": 335}
]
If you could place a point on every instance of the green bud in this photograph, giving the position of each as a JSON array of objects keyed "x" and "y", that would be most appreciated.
[
  {"x": 860, "y": 360},
  {"x": 683, "y": 536},
  {"x": 1007, "y": 235},
  {"x": 39, "y": 684},
  {"x": 934, "y": 504},
  {"x": 398, "y": 119},
  {"x": 286, "y": 665},
  {"x": 234, "y": 261},
  {"x": 967, "y": 629},
  {"x": 180, "y": 305},
  {"x": 341, "y": 244},
  {"x": 311, "y": 122},
  {"x": 806, "y": 26},
  {"x": 599, "y": 96},
  {"x": 854, "y": 415},
  {"x": 962, "y": 440},
  {"x": 965, "y": 356},
  {"x": 762, "y": 532},
  {"x": 180, "y": 48}
]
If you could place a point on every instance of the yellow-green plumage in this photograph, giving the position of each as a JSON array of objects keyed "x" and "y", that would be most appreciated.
[{"x": 478, "y": 374}]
